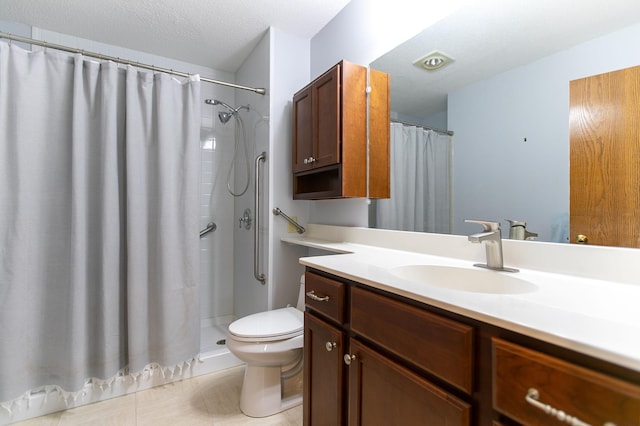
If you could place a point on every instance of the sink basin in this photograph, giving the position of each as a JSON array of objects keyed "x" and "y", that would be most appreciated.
[{"x": 464, "y": 279}]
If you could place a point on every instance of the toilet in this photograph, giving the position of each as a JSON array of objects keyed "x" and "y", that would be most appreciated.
[{"x": 271, "y": 344}]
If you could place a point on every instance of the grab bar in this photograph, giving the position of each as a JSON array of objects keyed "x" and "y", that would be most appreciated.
[
  {"x": 209, "y": 228},
  {"x": 256, "y": 226},
  {"x": 299, "y": 227}
]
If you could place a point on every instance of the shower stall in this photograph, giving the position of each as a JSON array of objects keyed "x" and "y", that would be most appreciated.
[
  {"x": 232, "y": 137},
  {"x": 226, "y": 286}
]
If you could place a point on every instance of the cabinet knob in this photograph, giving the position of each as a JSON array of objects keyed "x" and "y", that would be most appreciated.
[
  {"x": 330, "y": 346},
  {"x": 348, "y": 359}
]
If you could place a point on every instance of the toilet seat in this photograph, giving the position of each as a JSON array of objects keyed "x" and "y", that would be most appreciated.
[{"x": 278, "y": 324}]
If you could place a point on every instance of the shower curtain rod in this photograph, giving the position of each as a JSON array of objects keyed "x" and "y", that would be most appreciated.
[
  {"x": 446, "y": 132},
  {"x": 46, "y": 45}
]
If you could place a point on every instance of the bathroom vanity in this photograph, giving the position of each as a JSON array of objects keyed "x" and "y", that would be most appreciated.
[{"x": 384, "y": 347}]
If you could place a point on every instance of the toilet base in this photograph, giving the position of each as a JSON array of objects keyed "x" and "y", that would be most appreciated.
[{"x": 261, "y": 394}]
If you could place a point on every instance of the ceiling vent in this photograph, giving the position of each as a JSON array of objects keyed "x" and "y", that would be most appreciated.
[{"x": 433, "y": 61}]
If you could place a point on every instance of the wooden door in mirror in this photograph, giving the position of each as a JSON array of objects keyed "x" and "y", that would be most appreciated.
[{"x": 605, "y": 159}]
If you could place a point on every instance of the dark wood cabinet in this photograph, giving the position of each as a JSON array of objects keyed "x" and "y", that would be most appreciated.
[
  {"x": 376, "y": 358},
  {"x": 357, "y": 345},
  {"x": 324, "y": 373},
  {"x": 330, "y": 120}
]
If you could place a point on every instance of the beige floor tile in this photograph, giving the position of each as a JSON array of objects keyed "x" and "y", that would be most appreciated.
[
  {"x": 293, "y": 417},
  {"x": 52, "y": 419},
  {"x": 175, "y": 403},
  {"x": 112, "y": 412},
  {"x": 212, "y": 400},
  {"x": 221, "y": 392}
]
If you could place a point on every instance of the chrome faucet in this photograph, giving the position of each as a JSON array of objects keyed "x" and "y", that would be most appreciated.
[{"x": 492, "y": 237}]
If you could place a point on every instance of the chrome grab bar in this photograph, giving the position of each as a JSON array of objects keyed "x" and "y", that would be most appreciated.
[
  {"x": 299, "y": 227},
  {"x": 209, "y": 228},
  {"x": 256, "y": 226}
]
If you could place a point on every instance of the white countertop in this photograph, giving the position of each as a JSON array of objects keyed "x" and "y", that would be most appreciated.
[{"x": 595, "y": 317}]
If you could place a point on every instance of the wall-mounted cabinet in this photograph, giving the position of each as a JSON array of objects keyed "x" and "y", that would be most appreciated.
[{"x": 334, "y": 118}]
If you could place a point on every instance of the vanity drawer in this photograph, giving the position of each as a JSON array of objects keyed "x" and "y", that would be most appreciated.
[
  {"x": 325, "y": 296},
  {"x": 587, "y": 395},
  {"x": 435, "y": 344}
]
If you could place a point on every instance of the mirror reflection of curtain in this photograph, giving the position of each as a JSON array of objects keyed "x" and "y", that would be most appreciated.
[
  {"x": 420, "y": 181},
  {"x": 98, "y": 221}
]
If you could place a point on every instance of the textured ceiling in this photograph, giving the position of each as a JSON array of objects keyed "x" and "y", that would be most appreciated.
[
  {"x": 485, "y": 37},
  {"x": 215, "y": 33}
]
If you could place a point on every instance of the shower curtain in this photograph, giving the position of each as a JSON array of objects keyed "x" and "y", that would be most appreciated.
[
  {"x": 420, "y": 181},
  {"x": 98, "y": 220}
]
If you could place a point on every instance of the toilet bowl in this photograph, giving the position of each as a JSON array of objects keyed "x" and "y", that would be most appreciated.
[{"x": 271, "y": 344}]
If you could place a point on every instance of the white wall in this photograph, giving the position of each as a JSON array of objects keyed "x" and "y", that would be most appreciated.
[
  {"x": 496, "y": 174},
  {"x": 16, "y": 29},
  {"x": 290, "y": 58},
  {"x": 250, "y": 294},
  {"x": 280, "y": 63}
]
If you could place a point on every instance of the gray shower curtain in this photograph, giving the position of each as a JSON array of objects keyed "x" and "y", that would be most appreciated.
[
  {"x": 98, "y": 220},
  {"x": 420, "y": 181}
]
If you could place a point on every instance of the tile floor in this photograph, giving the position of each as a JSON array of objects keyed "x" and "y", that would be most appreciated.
[{"x": 211, "y": 399}]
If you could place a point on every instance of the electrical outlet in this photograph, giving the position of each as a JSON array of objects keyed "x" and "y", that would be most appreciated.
[{"x": 292, "y": 229}]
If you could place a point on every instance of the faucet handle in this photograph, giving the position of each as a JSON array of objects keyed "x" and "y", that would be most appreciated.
[{"x": 487, "y": 225}]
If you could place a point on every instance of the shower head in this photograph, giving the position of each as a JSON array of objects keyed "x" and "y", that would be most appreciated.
[{"x": 225, "y": 116}]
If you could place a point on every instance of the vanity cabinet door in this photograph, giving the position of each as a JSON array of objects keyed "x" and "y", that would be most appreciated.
[
  {"x": 324, "y": 380},
  {"x": 302, "y": 130},
  {"x": 316, "y": 120},
  {"x": 382, "y": 392},
  {"x": 327, "y": 112}
]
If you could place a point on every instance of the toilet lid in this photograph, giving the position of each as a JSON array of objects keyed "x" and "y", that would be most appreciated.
[{"x": 277, "y": 324}]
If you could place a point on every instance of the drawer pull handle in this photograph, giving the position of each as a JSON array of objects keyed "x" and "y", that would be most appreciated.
[
  {"x": 532, "y": 398},
  {"x": 330, "y": 346},
  {"x": 348, "y": 359},
  {"x": 313, "y": 296}
]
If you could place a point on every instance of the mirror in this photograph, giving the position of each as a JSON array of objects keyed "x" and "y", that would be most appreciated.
[{"x": 506, "y": 98}]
